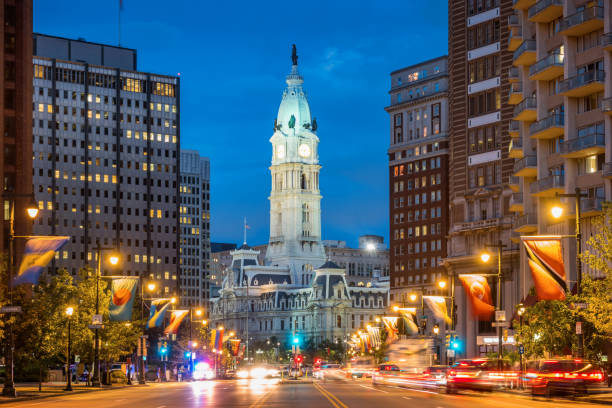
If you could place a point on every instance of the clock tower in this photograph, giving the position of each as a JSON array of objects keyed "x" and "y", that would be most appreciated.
[{"x": 295, "y": 200}]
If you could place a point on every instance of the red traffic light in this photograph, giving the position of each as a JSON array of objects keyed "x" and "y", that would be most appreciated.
[{"x": 299, "y": 358}]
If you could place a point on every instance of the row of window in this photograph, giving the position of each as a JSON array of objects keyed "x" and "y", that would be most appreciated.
[
  {"x": 416, "y": 76},
  {"x": 418, "y": 182},
  {"x": 417, "y": 231},
  {"x": 416, "y": 264},
  {"x": 398, "y": 202},
  {"x": 418, "y": 247},
  {"x": 417, "y": 93},
  {"x": 103, "y": 99},
  {"x": 417, "y": 215},
  {"x": 416, "y": 166}
]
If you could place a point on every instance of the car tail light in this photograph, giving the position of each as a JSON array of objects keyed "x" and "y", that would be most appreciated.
[{"x": 452, "y": 372}]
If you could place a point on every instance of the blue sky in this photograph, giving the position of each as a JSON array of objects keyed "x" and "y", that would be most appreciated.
[{"x": 233, "y": 57}]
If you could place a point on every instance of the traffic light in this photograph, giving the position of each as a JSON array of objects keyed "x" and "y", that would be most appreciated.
[
  {"x": 299, "y": 359},
  {"x": 296, "y": 340},
  {"x": 455, "y": 344},
  {"x": 448, "y": 340},
  {"x": 164, "y": 348},
  {"x": 505, "y": 334}
]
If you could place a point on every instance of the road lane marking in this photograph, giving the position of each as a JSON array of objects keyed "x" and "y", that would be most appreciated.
[
  {"x": 259, "y": 401},
  {"x": 408, "y": 398},
  {"x": 331, "y": 397},
  {"x": 375, "y": 389}
]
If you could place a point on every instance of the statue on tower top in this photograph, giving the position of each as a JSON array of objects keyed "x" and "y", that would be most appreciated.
[{"x": 294, "y": 56}]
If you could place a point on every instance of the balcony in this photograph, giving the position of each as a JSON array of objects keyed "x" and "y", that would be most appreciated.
[
  {"x": 513, "y": 21},
  {"x": 584, "y": 146},
  {"x": 606, "y": 41},
  {"x": 526, "y": 110},
  {"x": 516, "y": 202},
  {"x": 584, "y": 84},
  {"x": 490, "y": 223},
  {"x": 545, "y": 11},
  {"x": 516, "y": 93},
  {"x": 515, "y": 38},
  {"x": 582, "y": 22},
  {"x": 607, "y": 170},
  {"x": 526, "y": 223},
  {"x": 513, "y": 128},
  {"x": 526, "y": 167},
  {"x": 513, "y": 74},
  {"x": 606, "y": 106},
  {"x": 515, "y": 149},
  {"x": 548, "y": 186},
  {"x": 514, "y": 183},
  {"x": 548, "y": 128},
  {"x": 522, "y": 4},
  {"x": 525, "y": 54},
  {"x": 590, "y": 206},
  {"x": 547, "y": 68}
]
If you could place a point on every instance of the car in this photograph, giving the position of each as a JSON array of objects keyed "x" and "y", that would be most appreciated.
[
  {"x": 562, "y": 376},
  {"x": 385, "y": 373},
  {"x": 479, "y": 374},
  {"x": 434, "y": 376}
]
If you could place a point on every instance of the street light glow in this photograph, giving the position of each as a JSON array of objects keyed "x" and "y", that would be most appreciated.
[
  {"x": 204, "y": 322},
  {"x": 413, "y": 297},
  {"x": 556, "y": 211},
  {"x": 69, "y": 310},
  {"x": 151, "y": 287},
  {"x": 113, "y": 259},
  {"x": 485, "y": 257},
  {"x": 370, "y": 246},
  {"x": 395, "y": 308},
  {"x": 377, "y": 319},
  {"x": 442, "y": 284},
  {"x": 32, "y": 212},
  {"x": 199, "y": 312},
  {"x": 232, "y": 334},
  {"x": 173, "y": 299}
]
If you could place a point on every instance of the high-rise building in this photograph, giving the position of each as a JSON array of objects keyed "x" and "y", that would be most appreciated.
[
  {"x": 418, "y": 177},
  {"x": 16, "y": 118},
  {"x": 561, "y": 125},
  {"x": 106, "y": 158},
  {"x": 480, "y": 164},
  {"x": 195, "y": 229}
]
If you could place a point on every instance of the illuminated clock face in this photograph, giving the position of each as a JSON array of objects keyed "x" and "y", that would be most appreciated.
[
  {"x": 280, "y": 151},
  {"x": 304, "y": 150}
]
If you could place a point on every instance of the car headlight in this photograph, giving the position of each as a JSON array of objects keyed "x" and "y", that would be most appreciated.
[
  {"x": 258, "y": 372},
  {"x": 242, "y": 374}
]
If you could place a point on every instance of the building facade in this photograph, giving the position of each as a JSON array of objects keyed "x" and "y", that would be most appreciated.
[
  {"x": 195, "y": 229},
  {"x": 295, "y": 291},
  {"x": 480, "y": 163},
  {"x": 106, "y": 158},
  {"x": 561, "y": 131},
  {"x": 16, "y": 120},
  {"x": 418, "y": 177}
]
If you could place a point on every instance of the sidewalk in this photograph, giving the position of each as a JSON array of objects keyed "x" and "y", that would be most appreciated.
[{"x": 29, "y": 391}]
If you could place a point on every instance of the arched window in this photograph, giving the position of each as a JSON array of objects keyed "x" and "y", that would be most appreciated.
[{"x": 304, "y": 182}]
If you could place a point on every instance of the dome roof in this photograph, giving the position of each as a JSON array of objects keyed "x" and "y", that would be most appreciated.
[{"x": 294, "y": 102}]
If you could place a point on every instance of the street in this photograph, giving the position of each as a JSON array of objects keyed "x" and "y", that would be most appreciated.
[{"x": 269, "y": 393}]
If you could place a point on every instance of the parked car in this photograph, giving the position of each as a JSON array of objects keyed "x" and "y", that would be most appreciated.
[{"x": 562, "y": 376}]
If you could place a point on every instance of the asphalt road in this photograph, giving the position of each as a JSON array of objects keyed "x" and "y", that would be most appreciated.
[{"x": 256, "y": 394}]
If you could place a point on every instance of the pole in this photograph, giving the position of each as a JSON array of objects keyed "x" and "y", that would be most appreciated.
[
  {"x": 9, "y": 385},
  {"x": 247, "y": 316},
  {"x": 579, "y": 265},
  {"x": 521, "y": 354},
  {"x": 95, "y": 381},
  {"x": 68, "y": 372},
  {"x": 141, "y": 365},
  {"x": 499, "y": 303},
  {"x": 190, "y": 341}
]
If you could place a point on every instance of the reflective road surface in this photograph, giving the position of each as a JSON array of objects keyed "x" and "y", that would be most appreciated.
[{"x": 269, "y": 393}]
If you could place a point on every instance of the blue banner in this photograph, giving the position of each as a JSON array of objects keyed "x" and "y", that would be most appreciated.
[
  {"x": 122, "y": 299},
  {"x": 37, "y": 254}
]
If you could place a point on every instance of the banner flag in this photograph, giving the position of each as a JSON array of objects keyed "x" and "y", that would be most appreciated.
[
  {"x": 235, "y": 343},
  {"x": 545, "y": 257},
  {"x": 219, "y": 339},
  {"x": 123, "y": 292},
  {"x": 390, "y": 323},
  {"x": 478, "y": 291},
  {"x": 374, "y": 336},
  {"x": 157, "y": 313},
  {"x": 213, "y": 338},
  {"x": 437, "y": 304},
  {"x": 176, "y": 318},
  {"x": 365, "y": 346},
  {"x": 38, "y": 252},
  {"x": 242, "y": 349},
  {"x": 408, "y": 316}
]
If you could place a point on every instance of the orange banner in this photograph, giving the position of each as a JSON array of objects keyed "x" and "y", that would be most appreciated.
[
  {"x": 478, "y": 291},
  {"x": 176, "y": 318},
  {"x": 545, "y": 258}
]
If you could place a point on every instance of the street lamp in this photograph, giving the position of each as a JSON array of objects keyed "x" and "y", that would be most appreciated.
[
  {"x": 557, "y": 212},
  {"x": 69, "y": 312},
  {"x": 485, "y": 257},
  {"x": 151, "y": 286},
  {"x": 32, "y": 210},
  {"x": 436, "y": 329},
  {"x": 114, "y": 260},
  {"x": 442, "y": 284},
  {"x": 520, "y": 310}
]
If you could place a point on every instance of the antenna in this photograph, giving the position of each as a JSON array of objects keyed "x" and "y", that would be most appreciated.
[{"x": 245, "y": 229}]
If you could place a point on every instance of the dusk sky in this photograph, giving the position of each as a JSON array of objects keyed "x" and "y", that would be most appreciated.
[{"x": 233, "y": 57}]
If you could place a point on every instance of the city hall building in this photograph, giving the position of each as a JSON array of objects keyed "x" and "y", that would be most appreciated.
[{"x": 296, "y": 290}]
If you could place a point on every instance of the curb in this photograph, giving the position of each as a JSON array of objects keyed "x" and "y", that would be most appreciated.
[{"x": 61, "y": 394}]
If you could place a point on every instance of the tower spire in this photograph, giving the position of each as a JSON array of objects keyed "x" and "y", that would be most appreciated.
[{"x": 294, "y": 56}]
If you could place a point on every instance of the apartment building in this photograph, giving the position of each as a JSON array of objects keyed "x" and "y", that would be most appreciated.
[
  {"x": 561, "y": 128},
  {"x": 195, "y": 229},
  {"x": 16, "y": 120},
  {"x": 106, "y": 158},
  {"x": 480, "y": 164},
  {"x": 418, "y": 177}
]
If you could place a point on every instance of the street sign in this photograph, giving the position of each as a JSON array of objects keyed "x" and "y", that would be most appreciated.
[
  {"x": 500, "y": 324},
  {"x": 500, "y": 315},
  {"x": 96, "y": 326},
  {"x": 581, "y": 305},
  {"x": 10, "y": 309},
  {"x": 96, "y": 319},
  {"x": 450, "y": 353},
  {"x": 77, "y": 358},
  {"x": 521, "y": 349},
  {"x": 578, "y": 327}
]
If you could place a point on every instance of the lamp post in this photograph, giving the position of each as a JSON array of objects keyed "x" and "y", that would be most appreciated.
[
  {"x": 69, "y": 312},
  {"x": 32, "y": 210},
  {"x": 114, "y": 260},
  {"x": 151, "y": 286},
  {"x": 520, "y": 311},
  {"x": 557, "y": 212},
  {"x": 198, "y": 313},
  {"x": 485, "y": 257}
]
